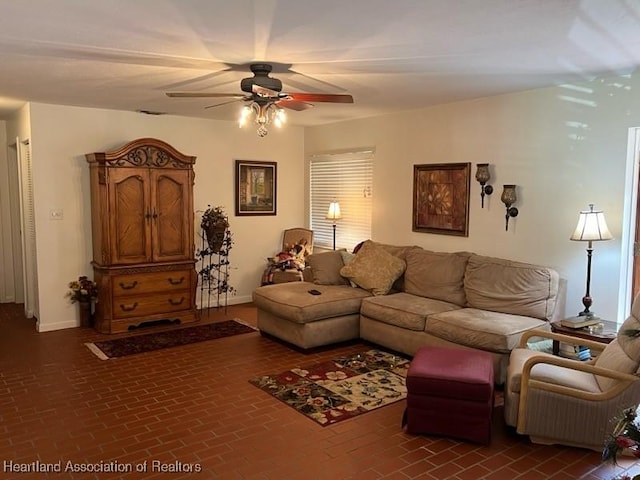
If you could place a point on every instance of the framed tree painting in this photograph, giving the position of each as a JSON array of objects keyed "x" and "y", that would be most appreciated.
[
  {"x": 255, "y": 188},
  {"x": 441, "y": 198}
]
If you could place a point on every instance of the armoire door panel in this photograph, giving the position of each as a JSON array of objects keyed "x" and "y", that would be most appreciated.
[
  {"x": 129, "y": 197},
  {"x": 170, "y": 227}
]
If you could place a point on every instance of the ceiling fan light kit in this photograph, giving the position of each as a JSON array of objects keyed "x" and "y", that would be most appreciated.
[
  {"x": 264, "y": 114},
  {"x": 265, "y": 98}
]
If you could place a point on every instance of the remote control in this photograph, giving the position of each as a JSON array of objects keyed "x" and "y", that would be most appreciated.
[{"x": 315, "y": 292}]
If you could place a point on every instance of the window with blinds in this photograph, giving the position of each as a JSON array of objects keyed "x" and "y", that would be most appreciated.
[{"x": 346, "y": 178}]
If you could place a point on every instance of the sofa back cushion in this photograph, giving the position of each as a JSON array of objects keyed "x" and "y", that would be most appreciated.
[
  {"x": 436, "y": 275},
  {"x": 505, "y": 286},
  {"x": 325, "y": 268}
]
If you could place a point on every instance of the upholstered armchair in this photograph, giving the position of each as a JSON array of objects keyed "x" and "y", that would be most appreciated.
[
  {"x": 288, "y": 264},
  {"x": 558, "y": 400}
]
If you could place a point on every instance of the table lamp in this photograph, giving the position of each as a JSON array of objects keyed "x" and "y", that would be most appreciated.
[
  {"x": 334, "y": 214},
  {"x": 592, "y": 227}
]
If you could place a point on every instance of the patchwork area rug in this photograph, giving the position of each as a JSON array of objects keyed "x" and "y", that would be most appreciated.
[
  {"x": 341, "y": 388},
  {"x": 148, "y": 342}
]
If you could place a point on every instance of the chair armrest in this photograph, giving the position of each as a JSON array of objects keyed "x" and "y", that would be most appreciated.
[
  {"x": 574, "y": 365},
  {"x": 560, "y": 337},
  {"x": 624, "y": 381}
]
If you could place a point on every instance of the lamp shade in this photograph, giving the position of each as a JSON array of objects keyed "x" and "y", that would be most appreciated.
[
  {"x": 591, "y": 227},
  {"x": 334, "y": 211}
]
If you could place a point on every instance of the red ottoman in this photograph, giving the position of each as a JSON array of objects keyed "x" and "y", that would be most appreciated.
[{"x": 450, "y": 393}]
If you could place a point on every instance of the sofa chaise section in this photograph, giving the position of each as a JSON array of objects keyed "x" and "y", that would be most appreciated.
[{"x": 289, "y": 312}]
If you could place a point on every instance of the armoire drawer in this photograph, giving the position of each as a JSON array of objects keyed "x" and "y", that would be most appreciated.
[
  {"x": 152, "y": 304},
  {"x": 141, "y": 283}
]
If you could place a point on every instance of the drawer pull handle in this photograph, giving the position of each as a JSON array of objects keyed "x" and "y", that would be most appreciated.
[
  {"x": 129, "y": 286},
  {"x": 129, "y": 308},
  {"x": 176, "y": 282},
  {"x": 176, "y": 302}
]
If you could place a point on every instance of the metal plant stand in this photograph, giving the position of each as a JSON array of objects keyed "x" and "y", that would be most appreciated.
[{"x": 213, "y": 273}]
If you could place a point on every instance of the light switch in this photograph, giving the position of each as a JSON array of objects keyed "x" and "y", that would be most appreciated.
[{"x": 56, "y": 214}]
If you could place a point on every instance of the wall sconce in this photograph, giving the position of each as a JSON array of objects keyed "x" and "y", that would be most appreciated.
[
  {"x": 483, "y": 176},
  {"x": 509, "y": 198}
]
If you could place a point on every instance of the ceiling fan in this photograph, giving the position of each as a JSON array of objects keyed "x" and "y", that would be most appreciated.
[{"x": 265, "y": 98}]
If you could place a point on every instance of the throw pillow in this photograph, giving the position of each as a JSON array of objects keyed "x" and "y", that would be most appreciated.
[
  {"x": 325, "y": 268},
  {"x": 373, "y": 269},
  {"x": 621, "y": 355},
  {"x": 346, "y": 258}
]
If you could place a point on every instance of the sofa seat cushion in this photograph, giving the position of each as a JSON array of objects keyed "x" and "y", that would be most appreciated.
[
  {"x": 566, "y": 377},
  {"x": 403, "y": 309},
  {"x": 292, "y": 301},
  {"x": 492, "y": 331},
  {"x": 511, "y": 287}
]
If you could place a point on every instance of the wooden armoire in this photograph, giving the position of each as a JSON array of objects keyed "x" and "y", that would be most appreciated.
[{"x": 143, "y": 235}]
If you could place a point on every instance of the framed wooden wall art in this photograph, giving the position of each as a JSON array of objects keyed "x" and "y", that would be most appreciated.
[
  {"x": 255, "y": 187},
  {"x": 441, "y": 198}
]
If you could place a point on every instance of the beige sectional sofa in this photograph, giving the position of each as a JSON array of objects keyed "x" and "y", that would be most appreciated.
[{"x": 403, "y": 297}]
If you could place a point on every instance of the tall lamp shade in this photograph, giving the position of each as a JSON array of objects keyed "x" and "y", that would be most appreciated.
[
  {"x": 334, "y": 214},
  {"x": 591, "y": 227}
]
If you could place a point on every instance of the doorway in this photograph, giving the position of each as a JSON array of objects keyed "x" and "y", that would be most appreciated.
[
  {"x": 630, "y": 267},
  {"x": 21, "y": 222},
  {"x": 13, "y": 169}
]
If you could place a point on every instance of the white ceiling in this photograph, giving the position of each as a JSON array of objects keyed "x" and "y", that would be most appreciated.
[{"x": 391, "y": 55}]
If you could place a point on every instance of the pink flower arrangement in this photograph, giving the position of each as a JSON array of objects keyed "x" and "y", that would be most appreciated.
[
  {"x": 82, "y": 290},
  {"x": 625, "y": 437}
]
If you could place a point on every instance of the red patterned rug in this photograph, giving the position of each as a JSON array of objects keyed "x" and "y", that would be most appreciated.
[
  {"x": 341, "y": 388},
  {"x": 148, "y": 342}
]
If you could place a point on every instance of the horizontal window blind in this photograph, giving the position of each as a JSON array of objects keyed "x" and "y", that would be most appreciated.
[{"x": 346, "y": 178}]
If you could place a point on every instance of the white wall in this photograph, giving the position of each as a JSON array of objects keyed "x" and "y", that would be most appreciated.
[
  {"x": 564, "y": 147},
  {"x": 62, "y": 135}
]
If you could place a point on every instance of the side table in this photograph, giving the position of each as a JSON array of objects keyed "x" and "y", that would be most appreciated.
[{"x": 605, "y": 334}]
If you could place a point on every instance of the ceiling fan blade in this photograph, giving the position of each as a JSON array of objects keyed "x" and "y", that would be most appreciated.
[
  {"x": 322, "y": 97},
  {"x": 224, "y": 103},
  {"x": 203, "y": 95},
  {"x": 292, "y": 104}
]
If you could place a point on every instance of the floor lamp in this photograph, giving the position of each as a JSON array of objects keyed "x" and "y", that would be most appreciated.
[
  {"x": 592, "y": 227},
  {"x": 334, "y": 214}
]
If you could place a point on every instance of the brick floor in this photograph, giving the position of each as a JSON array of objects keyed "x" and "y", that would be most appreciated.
[{"x": 192, "y": 407}]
